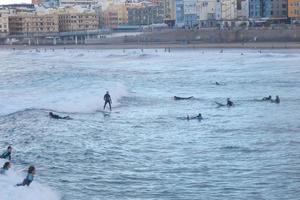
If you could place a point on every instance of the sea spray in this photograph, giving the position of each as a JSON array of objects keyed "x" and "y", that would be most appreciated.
[{"x": 36, "y": 191}]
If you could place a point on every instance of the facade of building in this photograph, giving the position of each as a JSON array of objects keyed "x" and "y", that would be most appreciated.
[
  {"x": 33, "y": 23},
  {"x": 146, "y": 15},
  {"x": 206, "y": 11},
  {"x": 36, "y": 2},
  {"x": 4, "y": 24},
  {"x": 272, "y": 9},
  {"x": 294, "y": 9},
  {"x": 169, "y": 12},
  {"x": 115, "y": 15},
  {"x": 190, "y": 13},
  {"x": 226, "y": 10},
  {"x": 82, "y": 3},
  {"x": 77, "y": 21},
  {"x": 179, "y": 13}
]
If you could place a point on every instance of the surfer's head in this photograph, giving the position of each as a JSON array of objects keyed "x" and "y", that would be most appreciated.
[
  {"x": 31, "y": 170},
  {"x": 9, "y": 148},
  {"x": 6, "y": 165}
]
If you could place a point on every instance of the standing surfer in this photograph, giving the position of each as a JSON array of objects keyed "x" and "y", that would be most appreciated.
[{"x": 107, "y": 100}]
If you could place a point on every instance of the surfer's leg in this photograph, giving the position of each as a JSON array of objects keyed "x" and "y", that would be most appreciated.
[{"x": 104, "y": 105}]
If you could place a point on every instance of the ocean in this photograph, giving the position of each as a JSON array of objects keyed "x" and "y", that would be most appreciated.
[{"x": 146, "y": 148}]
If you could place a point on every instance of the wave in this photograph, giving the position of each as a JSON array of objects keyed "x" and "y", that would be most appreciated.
[
  {"x": 36, "y": 191},
  {"x": 81, "y": 100}
]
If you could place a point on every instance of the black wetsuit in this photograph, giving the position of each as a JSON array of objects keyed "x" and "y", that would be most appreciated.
[
  {"x": 6, "y": 155},
  {"x": 59, "y": 117},
  {"x": 229, "y": 103},
  {"x": 107, "y": 100}
]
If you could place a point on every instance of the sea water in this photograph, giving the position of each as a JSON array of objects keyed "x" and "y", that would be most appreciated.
[{"x": 145, "y": 148}]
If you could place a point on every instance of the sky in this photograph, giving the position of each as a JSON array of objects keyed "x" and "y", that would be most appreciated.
[{"x": 14, "y": 1}]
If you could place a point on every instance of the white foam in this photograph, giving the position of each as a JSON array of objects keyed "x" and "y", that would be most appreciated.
[{"x": 36, "y": 191}]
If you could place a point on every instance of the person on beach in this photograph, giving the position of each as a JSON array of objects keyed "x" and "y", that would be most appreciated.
[
  {"x": 54, "y": 116},
  {"x": 267, "y": 98},
  {"x": 107, "y": 100},
  {"x": 5, "y": 168},
  {"x": 29, "y": 178},
  {"x": 229, "y": 103},
  {"x": 7, "y": 153}
]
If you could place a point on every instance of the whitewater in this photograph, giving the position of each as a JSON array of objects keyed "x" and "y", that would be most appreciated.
[{"x": 145, "y": 148}]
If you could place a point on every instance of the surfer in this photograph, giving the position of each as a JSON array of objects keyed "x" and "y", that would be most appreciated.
[
  {"x": 269, "y": 98},
  {"x": 7, "y": 153},
  {"x": 107, "y": 100},
  {"x": 217, "y": 83},
  {"x": 199, "y": 117},
  {"x": 29, "y": 178},
  {"x": 182, "y": 98},
  {"x": 54, "y": 116},
  {"x": 5, "y": 168},
  {"x": 277, "y": 100},
  {"x": 229, "y": 103}
]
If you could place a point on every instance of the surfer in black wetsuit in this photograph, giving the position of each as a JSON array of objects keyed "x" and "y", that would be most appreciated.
[
  {"x": 29, "y": 178},
  {"x": 107, "y": 100},
  {"x": 269, "y": 98},
  {"x": 229, "y": 103},
  {"x": 7, "y": 153},
  {"x": 54, "y": 116}
]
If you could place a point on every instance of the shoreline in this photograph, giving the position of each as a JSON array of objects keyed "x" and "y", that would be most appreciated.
[{"x": 252, "y": 45}]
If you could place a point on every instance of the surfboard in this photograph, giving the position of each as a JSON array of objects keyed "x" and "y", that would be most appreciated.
[{"x": 220, "y": 104}]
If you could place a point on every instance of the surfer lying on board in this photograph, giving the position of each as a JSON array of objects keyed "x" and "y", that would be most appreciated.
[
  {"x": 199, "y": 117},
  {"x": 228, "y": 104},
  {"x": 29, "y": 178},
  {"x": 107, "y": 100},
  {"x": 269, "y": 98},
  {"x": 54, "y": 116},
  {"x": 182, "y": 98},
  {"x": 7, "y": 153}
]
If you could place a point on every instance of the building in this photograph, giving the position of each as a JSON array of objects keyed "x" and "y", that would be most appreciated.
[
  {"x": 169, "y": 12},
  {"x": 4, "y": 24},
  {"x": 179, "y": 13},
  {"x": 270, "y": 9},
  {"x": 33, "y": 23},
  {"x": 242, "y": 9},
  {"x": 82, "y": 3},
  {"x": 190, "y": 13},
  {"x": 115, "y": 15},
  {"x": 206, "y": 11},
  {"x": 226, "y": 10},
  {"x": 145, "y": 15},
  {"x": 294, "y": 9},
  {"x": 36, "y": 2},
  {"x": 73, "y": 20}
]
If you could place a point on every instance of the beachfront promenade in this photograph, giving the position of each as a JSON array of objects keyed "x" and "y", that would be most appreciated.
[{"x": 159, "y": 37}]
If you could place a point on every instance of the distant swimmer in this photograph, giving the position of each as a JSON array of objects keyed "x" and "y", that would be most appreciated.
[
  {"x": 29, "y": 178},
  {"x": 107, "y": 100},
  {"x": 182, "y": 98},
  {"x": 229, "y": 102},
  {"x": 54, "y": 116},
  {"x": 7, "y": 153},
  {"x": 217, "y": 83},
  {"x": 5, "y": 168},
  {"x": 269, "y": 98}
]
